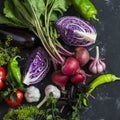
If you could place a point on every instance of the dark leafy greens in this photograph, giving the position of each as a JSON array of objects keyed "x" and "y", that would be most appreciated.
[{"x": 39, "y": 17}]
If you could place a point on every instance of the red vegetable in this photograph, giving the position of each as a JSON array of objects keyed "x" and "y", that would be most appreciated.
[
  {"x": 15, "y": 102},
  {"x": 1, "y": 84},
  {"x": 71, "y": 66},
  {"x": 2, "y": 73},
  {"x": 78, "y": 78},
  {"x": 60, "y": 79},
  {"x": 82, "y": 55}
]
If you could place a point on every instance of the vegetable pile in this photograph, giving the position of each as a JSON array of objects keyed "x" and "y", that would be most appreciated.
[{"x": 41, "y": 26}]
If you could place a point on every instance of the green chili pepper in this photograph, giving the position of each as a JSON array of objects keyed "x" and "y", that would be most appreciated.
[
  {"x": 85, "y": 8},
  {"x": 100, "y": 80},
  {"x": 14, "y": 71}
]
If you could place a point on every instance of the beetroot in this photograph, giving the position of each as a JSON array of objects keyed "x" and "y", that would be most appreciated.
[
  {"x": 60, "y": 79},
  {"x": 82, "y": 55},
  {"x": 78, "y": 78},
  {"x": 71, "y": 66}
]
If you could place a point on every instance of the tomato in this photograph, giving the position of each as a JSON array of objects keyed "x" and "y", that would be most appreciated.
[
  {"x": 2, "y": 73},
  {"x": 1, "y": 84},
  {"x": 19, "y": 95}
]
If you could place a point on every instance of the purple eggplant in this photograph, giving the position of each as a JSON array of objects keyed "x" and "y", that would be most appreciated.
[
  {"x": 21, "y": 37},
  {"x": 37, "y": 66}
]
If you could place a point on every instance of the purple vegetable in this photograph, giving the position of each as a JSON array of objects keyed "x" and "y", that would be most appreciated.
[
  {"x": 20, "y": 37},
  {"x": 37, "y": 66},
  {"x": 76, "y": 32},
  {"x": 97, "y": 65}
]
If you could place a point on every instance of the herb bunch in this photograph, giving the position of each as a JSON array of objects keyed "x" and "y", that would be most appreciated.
[
  {"x": 52, "y": 113},
  {"x": 7, "y": 51},
  {"x": 24, "y": 113}
]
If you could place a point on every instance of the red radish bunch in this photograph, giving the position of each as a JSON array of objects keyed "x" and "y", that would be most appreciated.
[
  {"x": 71, "y": 69},
  {"x": 78, "y": 78},
  {"x": 71, "y": 66},
  {"x": 60, "y": 79},
  {"x": 82, "y": 55}
]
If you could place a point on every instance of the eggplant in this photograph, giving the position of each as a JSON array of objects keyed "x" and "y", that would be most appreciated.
[{"x": 21, "y": 37}]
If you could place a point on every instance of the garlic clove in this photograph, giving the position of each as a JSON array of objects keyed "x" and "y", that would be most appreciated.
[
  {"x": 93, "y": 68},
  {"x": 99, "y": 67}
]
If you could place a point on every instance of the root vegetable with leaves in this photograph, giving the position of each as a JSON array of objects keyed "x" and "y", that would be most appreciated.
[{"x": 39, "y": 17}]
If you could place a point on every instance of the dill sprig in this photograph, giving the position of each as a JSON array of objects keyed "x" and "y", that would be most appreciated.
[{"x": 25, "y": 113}]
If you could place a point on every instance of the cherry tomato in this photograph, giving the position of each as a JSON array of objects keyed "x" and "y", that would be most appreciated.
[
  {"x": 1, "y": 84},
  {"x": 19, "y": 99},
  {"x": 2, "y": 73}
]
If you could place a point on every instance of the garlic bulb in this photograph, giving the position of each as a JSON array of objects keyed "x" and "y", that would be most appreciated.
[
  {"x": 97, "y": 65},
  {"x": 50, "y": 89},
  {"x": 32, "y": 94}
]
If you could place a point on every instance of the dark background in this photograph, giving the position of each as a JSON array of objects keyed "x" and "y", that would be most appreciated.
[{"x": 106, "y": 106}]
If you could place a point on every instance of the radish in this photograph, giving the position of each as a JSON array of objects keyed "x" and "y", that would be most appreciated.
[
  {"x": 78, "y": 78},
  {"x": 71, "y": 66},
  {"x": 60, "y": 79},
  {"x": 82, "y": 55}
]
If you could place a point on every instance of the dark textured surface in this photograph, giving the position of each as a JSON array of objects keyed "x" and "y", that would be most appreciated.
[{"x": 106, "y": 106}]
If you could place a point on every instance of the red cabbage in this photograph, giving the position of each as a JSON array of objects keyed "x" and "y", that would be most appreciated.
[
  {"x": 37, "y": 66},
  {"x": 75, "y": 31}
]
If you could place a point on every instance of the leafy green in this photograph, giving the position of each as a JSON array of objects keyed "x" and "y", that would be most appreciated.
[
  {"x": 4, "y": 20},
  {"x": 33, "y": 113},
  {"x": 7, "y": 51},
  {"x": 9, "y": 11},
  {"x": 52, "y": 113},
  {"x": 24, "y": 113},
  {"x": 38, "y": 16},
  {"x": 38, "y": 6}
]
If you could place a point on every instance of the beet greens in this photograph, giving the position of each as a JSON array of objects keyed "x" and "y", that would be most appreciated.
[{"x": 39, "y": 17}]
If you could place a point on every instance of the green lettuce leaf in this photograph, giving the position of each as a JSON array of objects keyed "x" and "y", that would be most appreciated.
[
  {"x": 38, "y": 6},
  {"x": 9, "y": 11}
]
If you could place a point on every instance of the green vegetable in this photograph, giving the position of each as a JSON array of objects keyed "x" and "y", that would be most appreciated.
[
  {"x": 81, "y": 99},
  {"x": 33, "y": 113},
  {"x": 14, "y": 71},
  {"x": 39, "y": 17},
  {"x": 76, "y": 108},
  {"x": 85, "y": 8},
  {"x": 100, "y": 80},
  {"x": 7, "y": 51},
  {"x": 52, "y": 113},
  {"x": 24, "y": 113}
]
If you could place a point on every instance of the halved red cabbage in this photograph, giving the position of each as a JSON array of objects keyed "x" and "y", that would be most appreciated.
[
  {"x": 75, "y": 31},
  {"x": 37, "y": 66}
]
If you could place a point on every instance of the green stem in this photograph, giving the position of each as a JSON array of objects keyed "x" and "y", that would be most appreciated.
[
  {"x": 53, "y": 114},
  {"x": 42, "y": 102},
  {"x": 48, "y": 29},
  {"x": 54, "y": 54}
]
